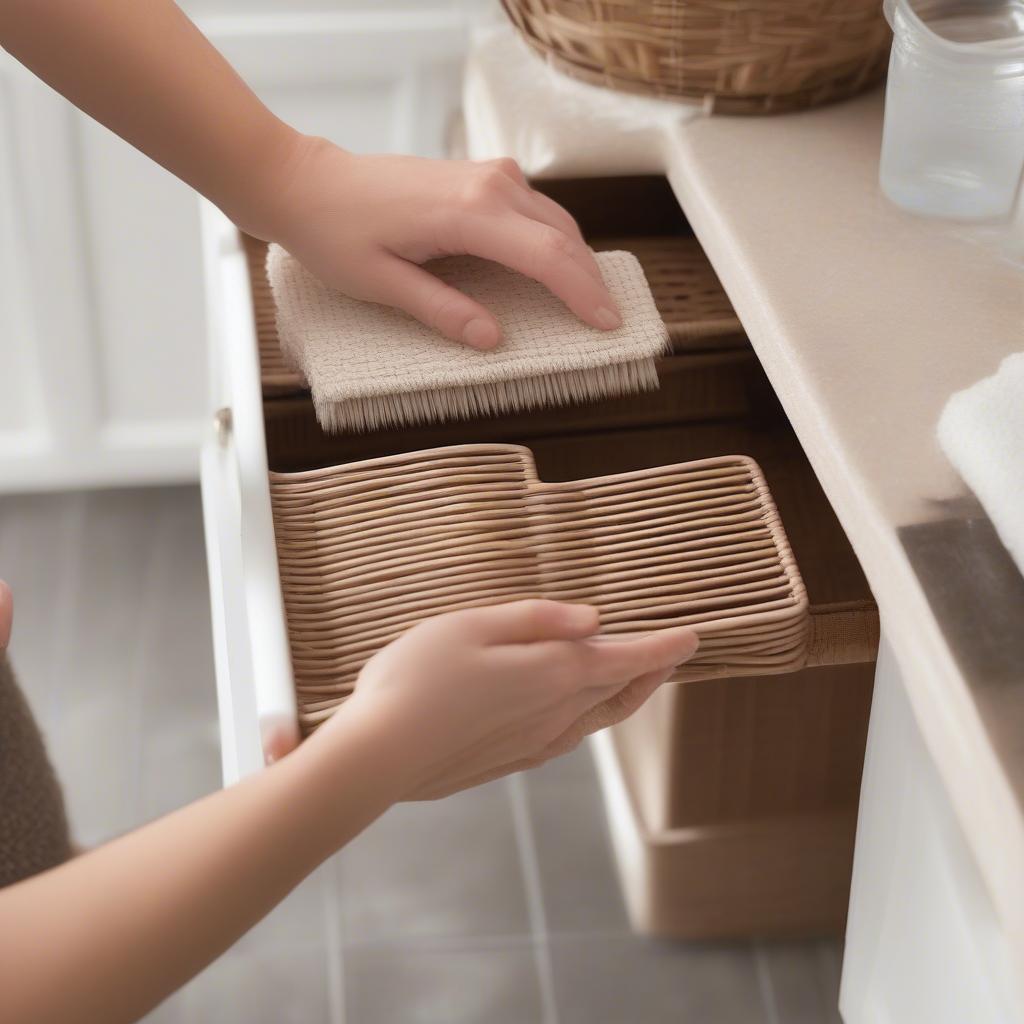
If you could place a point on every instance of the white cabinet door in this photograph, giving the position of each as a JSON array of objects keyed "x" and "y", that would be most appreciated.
[
  {"x": 923, "y": 942},
  {"x": 102, "y": 355},
  {"x": 49, "y": 382}
]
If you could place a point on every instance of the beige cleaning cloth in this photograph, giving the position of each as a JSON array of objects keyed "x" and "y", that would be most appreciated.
[{"x": 370, "y": 366}]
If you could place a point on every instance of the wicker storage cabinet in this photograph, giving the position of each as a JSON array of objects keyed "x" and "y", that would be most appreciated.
[{"x": 740, "y": 791}]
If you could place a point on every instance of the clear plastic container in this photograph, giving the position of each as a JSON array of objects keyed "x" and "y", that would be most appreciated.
[{"x": 953, "y": 143}]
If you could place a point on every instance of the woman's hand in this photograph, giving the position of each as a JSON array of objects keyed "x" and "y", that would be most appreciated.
[
  {"x": 468, "y": 696},
  {"x": 6, "y": 614},
  {"x": 362, "y": 224}
]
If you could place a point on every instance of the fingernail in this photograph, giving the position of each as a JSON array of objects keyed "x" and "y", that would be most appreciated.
[
  {"x": 607, "y": 318},
  {"x": 480, "y": 333},
  {"x": 693, "y": 645}
]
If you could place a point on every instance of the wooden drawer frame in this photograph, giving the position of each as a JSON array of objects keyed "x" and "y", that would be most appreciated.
[
  {"x": 255, "y": 681},
  {"x": 255, "y": 686}
]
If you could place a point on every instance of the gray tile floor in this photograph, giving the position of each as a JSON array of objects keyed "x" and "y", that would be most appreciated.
[{"x": 498, "y": 905}]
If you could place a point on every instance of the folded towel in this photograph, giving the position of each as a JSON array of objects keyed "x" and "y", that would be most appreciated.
[
  {"x": 371, "y": 366},
  {"x": 981, "y": 430}
]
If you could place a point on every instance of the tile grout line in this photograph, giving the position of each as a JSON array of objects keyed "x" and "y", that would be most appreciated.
[
  {"x": 334, "y": 950},
  {"x": 829, "y": 974},
  {"x": 61, "y": 658},
  {"x": 496, "y": 943},
  {"x": 159, "y": 554},
  {"x": 764, "y": 984},
  {"x": 526, "y": 842}
]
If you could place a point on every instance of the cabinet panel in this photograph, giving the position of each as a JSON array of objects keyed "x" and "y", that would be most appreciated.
[
  {"x": 923, "y": 943},
  {"x": 49, "y": 386},
  {"x": 108, "y": 385},
  {"x": 141, "y": 227},
  {"x": 17, "y": 330}
]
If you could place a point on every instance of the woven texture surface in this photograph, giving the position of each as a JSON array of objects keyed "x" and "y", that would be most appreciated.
[
  {"x": 691, "y": 300},
  {"x": 277, "y": 375},
  {"x": 369, "y": 549},
  {"x": 687, "y": 293},
  {"x": 370, "y": 366},
  {"x": 759, "y": 56}
]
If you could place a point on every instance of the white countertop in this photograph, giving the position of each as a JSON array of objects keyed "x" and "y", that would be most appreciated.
[{"x": 865, "y": 320}]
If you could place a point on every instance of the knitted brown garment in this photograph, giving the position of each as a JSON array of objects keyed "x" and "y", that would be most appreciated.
[{"x": 33, "y": 825}]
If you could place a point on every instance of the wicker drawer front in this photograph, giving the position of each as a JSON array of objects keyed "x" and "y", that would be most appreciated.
[
  {"x": 369, "y": 549},
  {"x": 743, "y": 781},
  {"x": 686, "y": 289},
  {"x": 277, "y": 376}
]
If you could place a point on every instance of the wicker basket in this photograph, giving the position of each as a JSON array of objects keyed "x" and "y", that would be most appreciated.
[{"x": 738, "y": 56}]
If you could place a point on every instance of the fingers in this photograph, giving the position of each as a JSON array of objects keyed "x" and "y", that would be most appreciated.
[
  {"x": 498, "y": 217},
  {"x": 603, "y": 664},
  {"x": 609, "y": 661},
  {"x": 531, "y": 621},
  {"x": 546, "y": 211},
  {"x": 510, "y": 169},
  {"x": 279, "y": 736},
  {"x": 512, "y": 189},
  {"x": 560, "y": 262},
  {"x": 541, "y": 208},
  {"x": 6, "y": 614},
  {"x": 436, "y": 304},
  {"x": 608, "y": 712},
  {"x": 619, "y": 706},
  {"x": 535, "y": 204},
  {"x": 594, "y": 717},
  {"x": 590, "y": 717}
]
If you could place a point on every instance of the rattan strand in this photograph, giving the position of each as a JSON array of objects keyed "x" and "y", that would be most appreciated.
[
  {"x": 686, "y": 289},
  {"x": 277, "y": 375},
  {"x": 369, "y": 549}
]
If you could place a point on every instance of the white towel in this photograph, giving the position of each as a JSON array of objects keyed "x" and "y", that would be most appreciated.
[
  {"x": 981, "y": 430},
  {"x": 372, "y": 366}
]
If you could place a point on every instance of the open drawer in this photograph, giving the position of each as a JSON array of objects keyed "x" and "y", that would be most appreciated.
[
  {"x": 255, "y": 688},
  {"x": 262, "y": 423}
]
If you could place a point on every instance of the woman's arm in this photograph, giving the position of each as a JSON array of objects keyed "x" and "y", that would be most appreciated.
[
  {"x": 114, "y": 931},
  {"x": 457, "y": 699},
  {"x": 362, "y": 224}
]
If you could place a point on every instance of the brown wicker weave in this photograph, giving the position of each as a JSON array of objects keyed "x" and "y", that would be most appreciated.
[
  {"x": 368, "y": 549},
  {"x": 278, "y": 377},
  {"x": 687, "y": 292},
  {"x": 738, "y": 56}
]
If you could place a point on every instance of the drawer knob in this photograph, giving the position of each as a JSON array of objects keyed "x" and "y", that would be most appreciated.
[{"x": 222, "y": 425}]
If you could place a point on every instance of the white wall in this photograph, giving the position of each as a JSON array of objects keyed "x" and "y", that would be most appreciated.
[{"x": 102, "y": 367}]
